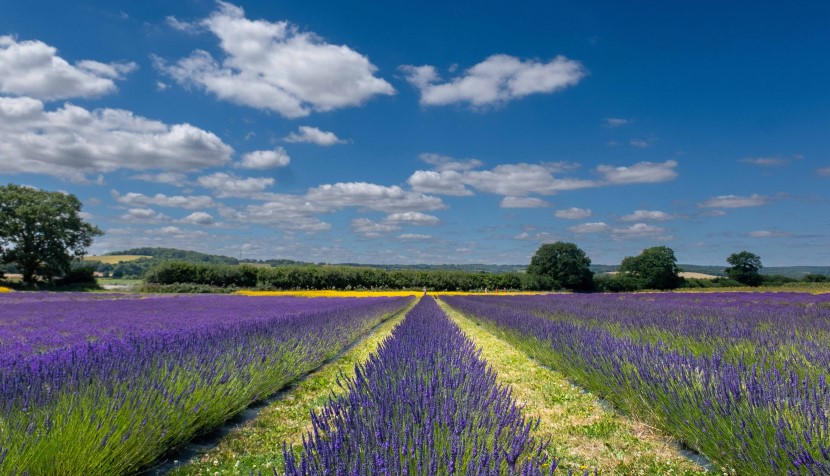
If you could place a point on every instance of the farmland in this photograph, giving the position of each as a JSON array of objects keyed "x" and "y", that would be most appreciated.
[{"x": 472, "y": 384}]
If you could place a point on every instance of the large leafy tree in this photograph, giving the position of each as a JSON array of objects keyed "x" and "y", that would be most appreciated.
[
  {"x": 42, "y": 232},
  {"x": 745, "y": 268},
  {"x": 564, "y": 263},
  {"x": 654, "y": 268}
]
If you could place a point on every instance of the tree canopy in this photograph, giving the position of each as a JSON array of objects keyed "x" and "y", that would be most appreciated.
[
  {"x": 565, "y": 264},
  {"x": 42, "y": 232},
  {"x": 654, "y": 268},
  {"x": 745, "y": 268}
]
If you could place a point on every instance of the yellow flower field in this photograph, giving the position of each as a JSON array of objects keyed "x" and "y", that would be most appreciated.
[{"x": 4, "y": 289}]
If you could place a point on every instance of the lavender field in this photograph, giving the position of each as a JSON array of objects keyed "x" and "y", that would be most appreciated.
[
  {"x": 739, "y": 377},
  {"x": 105, "y": 384}
]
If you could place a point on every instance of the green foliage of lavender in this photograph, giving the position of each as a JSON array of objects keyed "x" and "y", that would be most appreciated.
[
  {"x": 740, "y": 377},
  {"x": 426, "y": 403},
  {"x": 103, "y": 385}
]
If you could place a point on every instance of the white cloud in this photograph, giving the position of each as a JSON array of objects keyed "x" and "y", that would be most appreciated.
[
  {"x": 412, "y": 218},
  {"x": 642, "y": 215},
  {"x": 281, "y": 211},
  {"x": 638, "y": 230},
  {"x": 32, "y": 68},
  {"x": 413, "y": 237},
  {"x": 444, "y": 183},
  {"x": 823, "y": 172},
  {"x": 313, "y": 135},
  {"x": 640, "y": 143},
  {"x": 615, "y": 121},
  {"x": 767, "y": 234},
  {"x": 371, "y": 229},
  {"x": 162, "y": 200},
  {"x": 199, "y": 218},
  {"x": 227, "y": 185},
  {"x": 71, "y": 141},
  {"x": 370, "y": 196},
  {"x": 276, "y": 67},
  {"x": 573, "y": 213},
  {"x": 265, "y": 159},
  {"x": 496, "y": 80},
  {"x": 641, "y": 172},
  {"x": 144, "y": 215},
  {"x": 596, "y": 227},
  {"x": 734, "y": 201},
  {"x": 177, "y": 233},
  {"x": 523, "y": 202},
  {"x": 443, "y": 163},
  {"x": 765, "y": 161},
  {"x": 167, "y": 178}
]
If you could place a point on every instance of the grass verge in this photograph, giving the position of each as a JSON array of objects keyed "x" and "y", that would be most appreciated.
[
  {"x": 583, "y": 432},
  {"x": 257, "y": 444}
]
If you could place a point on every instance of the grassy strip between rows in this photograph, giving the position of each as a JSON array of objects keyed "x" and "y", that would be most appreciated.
[
  {"x": 583, "y": 433},
  {"x": 257, "y": 444}
]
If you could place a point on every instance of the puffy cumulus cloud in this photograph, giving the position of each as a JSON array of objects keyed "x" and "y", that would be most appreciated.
[
  {"x": 275, "y": 66},
  {"x": 641, "y": 172},
  {"x": 371, "y": 196},
  {"x": 447, "y": 182},
  {"x": 595, "y": 227},
  {"x": 228, "y": 185},
  {"x": 573, "y": 213},
  {"x": 639, "y": 230},
  {"x": 644, "y": 215},
  {"x": 496, "y": 80},
  {"x": 167, "y": 178},
  {"x": 292, "y": 213},
  {"x": 71, "y": 141},
  {"x": 199, "y": 218},
  {"x": 734, "y": 201},
  {"x": 443, "y": 163},
  {"x": 765, "y": 161},
  {"x": 177, "y": 201},
  {"x": 143, "y": 215},
  {"x": 32, "y": 68},
  {"x": 371, "y": 229},
  {"x": 313, "y": 135},
  {"x": 523, "y": 202},
  {"x": 413, "y": 237},
  {"x": 265, "y": 159},
  {"x": 412, "y": 218}
]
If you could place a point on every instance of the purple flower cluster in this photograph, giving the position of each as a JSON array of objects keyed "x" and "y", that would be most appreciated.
[
  {"x": 94, "y": 384},
  {"x": 426, "y": 403},
  {"x": 742, "y": 378}
]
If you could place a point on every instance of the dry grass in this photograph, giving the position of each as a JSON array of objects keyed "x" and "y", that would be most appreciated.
[{"x": 115, "y": 259}]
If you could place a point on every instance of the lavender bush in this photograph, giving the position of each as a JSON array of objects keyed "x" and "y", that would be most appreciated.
[
  {"x": 96, "y": 384},
  {"x": 742, "y": 378},
  {"x": 424, "y": 404}
]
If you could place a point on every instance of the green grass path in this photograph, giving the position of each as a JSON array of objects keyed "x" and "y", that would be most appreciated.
[
  {"x": 583, "y": 433},
  {"x": 257, "y": 444}
]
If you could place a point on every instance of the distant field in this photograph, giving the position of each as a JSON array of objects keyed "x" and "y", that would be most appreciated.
[
  {"x": 689, "y": 274},
  {"x": 115, "y": 259}
]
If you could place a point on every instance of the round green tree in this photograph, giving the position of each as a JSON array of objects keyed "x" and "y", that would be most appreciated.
[
  {"x": 42, "y": 232},
  {"x": 654, "y": 268},
  {"x": 745, "y": 268},
  {"x": 565, "y": 264}
]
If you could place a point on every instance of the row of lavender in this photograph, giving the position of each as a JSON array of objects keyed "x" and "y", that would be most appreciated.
[
  {"x": 742, "y": 378},
  {"x": 426, "y": 403},
  {"x": 93, "y": 384}
]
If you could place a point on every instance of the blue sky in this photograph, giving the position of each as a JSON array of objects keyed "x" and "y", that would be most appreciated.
[{"x": 427, "y": 132}]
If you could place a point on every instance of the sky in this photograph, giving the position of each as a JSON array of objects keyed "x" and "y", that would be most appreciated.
[{"x": 427, "y": 132}]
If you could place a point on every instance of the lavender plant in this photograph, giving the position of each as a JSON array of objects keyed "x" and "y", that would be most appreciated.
[
  {"x": 742, "y": 378},
  {"x": 424, "y": 404},
  {"x": 103, "y": 385}
]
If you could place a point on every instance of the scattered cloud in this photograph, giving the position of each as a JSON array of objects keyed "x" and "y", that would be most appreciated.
[
  {"x": 71, "y": 141},
  {"x": 167, "y": 178},
  {"x": 276, "y": 67},
  {"x": 496, "y": 80},
  {"x": 765, "y": 161},
  {"x": 412, "y": 218},
  {"x": 642, "y": 172},
  {"x": 414, "y": 237},
  {"x": 523, "y": 202},
  {"x": 144, "y": 215},
  {"x": 823, "y": 172},
  {"x": 371, "y": 229},
  {"x": 638, "y": 230},
  {"x": 265, "y": 159},
  {"x": 767, "y": 234},
  {"x": 313, "y": 135},
  {"x": 227, "y": 185},
  {"x": 443, "y": 163},
  {"x": 573, "y": 213},
  {"x": 643, "y": 215},
  {"x": 595, "y": 227},
  {"x": 371, "y": 196},
  {"x": 735, "y": 201},
  {"x": 32, "y": 68},
  {"x": 285, "y": 212},
  {"x": 198, "y": 218},
  {"x": 640, "y": 143},
  {"x": 615, "y": 121},
  {"x": 448, "y": 182},
  {"x": 188, "y": 202}
]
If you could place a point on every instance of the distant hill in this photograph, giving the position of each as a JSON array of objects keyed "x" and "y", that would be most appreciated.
[
  {"x": 175, "y": 254},
  {"x": 795, "y": 272},
  {"x": 469, "y": 268}
]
